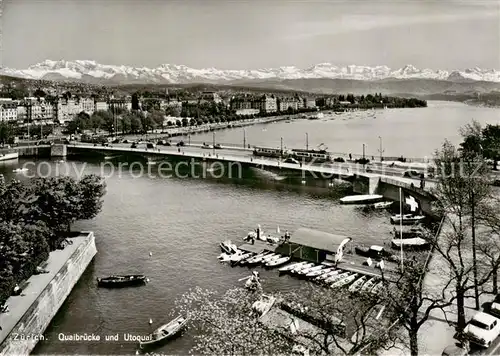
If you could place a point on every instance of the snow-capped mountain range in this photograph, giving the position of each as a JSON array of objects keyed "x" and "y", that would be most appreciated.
[{"x": 88, "y": 70}]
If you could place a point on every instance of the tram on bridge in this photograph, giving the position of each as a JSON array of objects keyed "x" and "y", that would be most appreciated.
[{"x": 318, "y": 156}]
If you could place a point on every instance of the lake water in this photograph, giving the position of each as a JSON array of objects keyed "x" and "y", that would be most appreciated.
[
  {"x": 407, "y": 132},
  {"x": 182, "y": 221}
]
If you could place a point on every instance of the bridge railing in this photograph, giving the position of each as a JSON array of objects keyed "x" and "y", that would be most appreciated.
[{"x": 346, "y": 156}]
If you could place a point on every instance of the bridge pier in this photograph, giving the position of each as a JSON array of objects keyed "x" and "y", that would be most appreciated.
[
  {"x": 365, "y": 185},
  {"x": 58, "y": 150}
]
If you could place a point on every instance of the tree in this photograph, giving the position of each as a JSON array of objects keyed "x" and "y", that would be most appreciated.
[
  {"x": 135, "y": 123},
  {"x": 92, "y": 189},
  {"x": 96, "y": 122},
  {"x": 228, "y": 324},
  {"x": 408, "y": 298},
  {"x": 158, "y": 118},
  {"x": 491, "y": 143},
  {"x": 124, "y": 124},
  {"x": 6, "y": 133},
  {"x": 453, "y": 189},
  {"x": 107, "y": 120},
  {"x": 174, "y": 111}
]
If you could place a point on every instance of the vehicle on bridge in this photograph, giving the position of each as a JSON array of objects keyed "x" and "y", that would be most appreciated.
[
  {"x": 319, "y": 156},
  {"x": 270, "y": 152}
]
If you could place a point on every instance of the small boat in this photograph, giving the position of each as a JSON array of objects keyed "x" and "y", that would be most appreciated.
[
  {"x": 9, "y": 156},
  {"x": 237, "y": 257},
  {"x": 375, "y": 252},
  {"x": 408, "y": 233},
  {"x": 301, "y": 267},
  {"x": 249, "y": 260},
  {"x": 356, "y": 286},
  {"x": 270, "y": 257},
  {"x": 417, "y": 243},
  {"x": 344, "y": 281},
  {"x": 327, "y": 275},
  {"x": 117, "y": 281},
  {"x": 311, "y": 269},
  {"x": 337, "y": 277},
  {"x": 368, "y": 286},
  {"x": 382, "y": 205},
  {"x": 319, "y": 272},
  {"x": 228, "y": 247},
  {"x": 378, "y": 288},
  {"x": 361, "y": 199},
  {"x": 165, "y": 332},
  {"x": 278, "y": 262},
  {"x": 408, "y": 219},
  {"x": 291, "y": 266},
  {"x": 224, "y": 257},
  {"x": 258, "y": 258},
  {"x": 20, "y": 170}
]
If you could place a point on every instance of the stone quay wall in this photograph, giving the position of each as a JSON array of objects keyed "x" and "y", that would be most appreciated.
[{"x": 28, "y": 318}]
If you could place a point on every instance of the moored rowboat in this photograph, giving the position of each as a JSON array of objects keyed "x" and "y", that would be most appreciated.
[
  {"x": 118, "y": 281},
  {"x": 291, "y": 266},
  {"x": 278, "y": 261},
  {"x": 165, "y": 332}
]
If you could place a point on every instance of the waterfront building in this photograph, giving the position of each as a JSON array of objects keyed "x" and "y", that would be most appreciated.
[
  {"x": 266, "y": 104},
  {"x": 325, "y": 102},
  {"x": 312, "y": 245},
  {"x": 67, "y": 109},
  {"x": 87, "y": 104},
  {"x": 287, "y": 103},
  {"x": 309, "y": 103},
  {"x": 242, "y": 103},
  {"x": 100, "y": 105},
  {"x": 123, "y": 103},
  {"x": 37, "y": 110},
  {"x": 8, "y": 110},
  {"x": 210, "y": 97}
]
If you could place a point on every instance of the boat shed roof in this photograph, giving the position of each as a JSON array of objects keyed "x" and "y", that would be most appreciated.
[{"x": 317, "y": 239}]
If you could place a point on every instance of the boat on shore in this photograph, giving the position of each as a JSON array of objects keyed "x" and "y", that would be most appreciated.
[
  {"x": 310, "y": 269},
  {"x": 336, "y": 277},
  {"x": 318, "y": 272},
  {"x": 290, "y": 267},
  {"x": 165, "y": 332},
  {"x": 301, "y": 267},
  {"x": 258, "y": 259},
  {"x": 327, "y": 275},
  {"x": 356, "y": 286},
  {"x": 416, "y": 243},
  {"x": 228, "y": 247},
  {"x": 408, "y": 233},
  {"x": 9, "y": 156},
  {"x": 344, "y": 281},
  {"x": 368, "y": 286},
  {"x": 382, "y": 205},
  {"x": 408, "y": 219},
  {"x": 361, "y": 199},
  {"x": 119, "y": 281},
  {"x": 278, "y": 261}
]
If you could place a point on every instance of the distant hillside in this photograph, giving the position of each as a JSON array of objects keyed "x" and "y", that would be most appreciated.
[{"x": 387, "y": 86}]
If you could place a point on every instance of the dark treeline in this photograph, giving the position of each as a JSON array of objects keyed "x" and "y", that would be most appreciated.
[{"x": 35, "y": 217}]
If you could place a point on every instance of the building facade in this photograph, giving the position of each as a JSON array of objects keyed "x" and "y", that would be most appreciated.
[
  {"x": 8, "y": 110},
  {"x": 287, "y": 103},
  {"x": 266, "y": 104},
  {"x": 210, "y": 97}
]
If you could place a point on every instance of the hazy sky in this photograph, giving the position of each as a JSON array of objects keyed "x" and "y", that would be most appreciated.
[{"x": 239, "y": 34}]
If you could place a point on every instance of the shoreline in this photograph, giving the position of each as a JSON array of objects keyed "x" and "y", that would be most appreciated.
[{"x": 30, "y": 314}]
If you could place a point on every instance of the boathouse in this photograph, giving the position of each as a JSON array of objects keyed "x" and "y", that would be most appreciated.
[{"x": 312, "y": 245}]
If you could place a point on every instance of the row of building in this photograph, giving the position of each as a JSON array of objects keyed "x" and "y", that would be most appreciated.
[
  {"x": 270, "y": 103},
  {"x": 65, "y": 107},
  {"x": 62, "y": 110}
]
